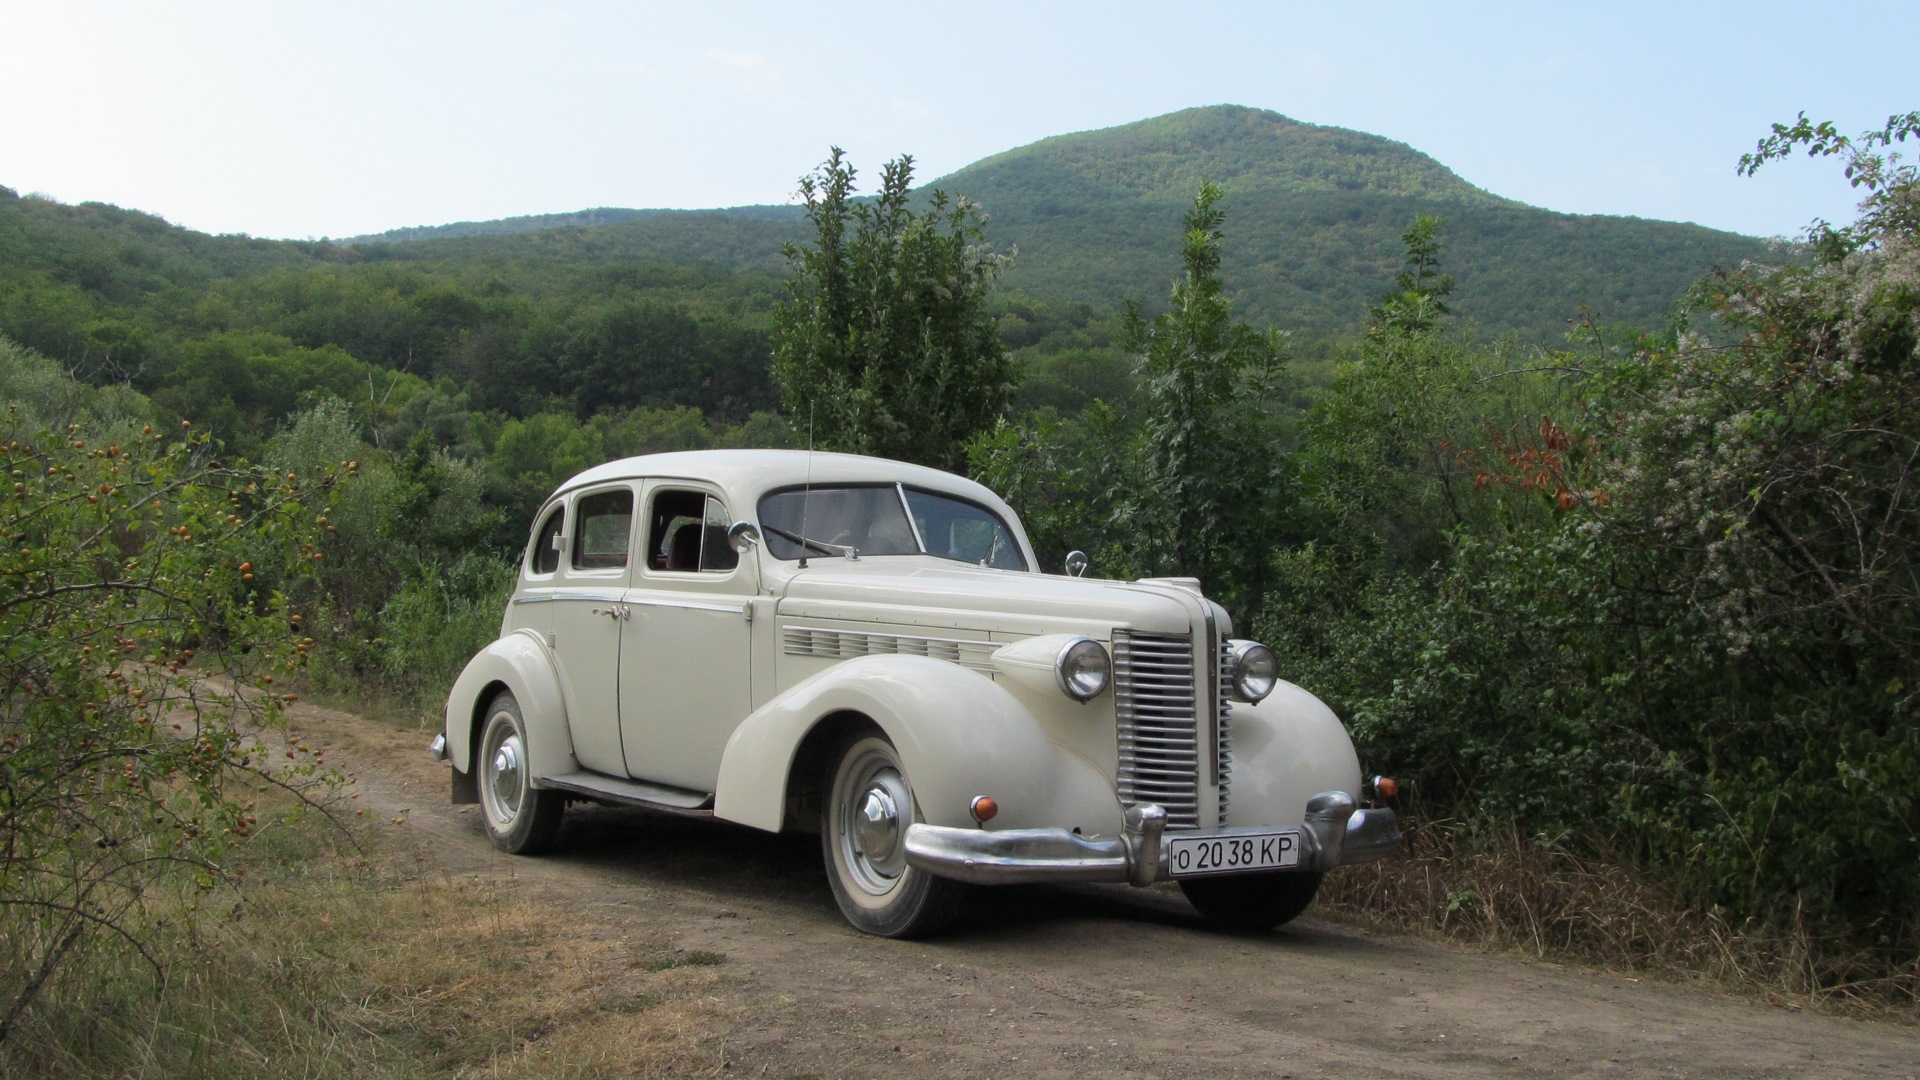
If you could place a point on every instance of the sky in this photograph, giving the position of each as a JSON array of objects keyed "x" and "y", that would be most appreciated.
[{"x": 301, "y": 120}]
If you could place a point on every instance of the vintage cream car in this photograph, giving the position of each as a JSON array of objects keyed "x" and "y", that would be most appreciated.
[{"x": 794, "y": 640}]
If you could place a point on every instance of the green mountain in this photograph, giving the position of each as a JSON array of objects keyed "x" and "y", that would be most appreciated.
[
  {"x": 1246, "y": 151},
  {"x": 1314, "y": 217}
]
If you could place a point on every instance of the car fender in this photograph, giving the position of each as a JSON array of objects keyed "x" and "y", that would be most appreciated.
[
  {"x": 1287, "y": 749},
  {"x": 958, "y": 733},
  {"x": 520, "y": 662}
]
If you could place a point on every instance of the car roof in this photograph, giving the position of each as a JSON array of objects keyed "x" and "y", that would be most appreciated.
[{"x": 751, "y": 473}]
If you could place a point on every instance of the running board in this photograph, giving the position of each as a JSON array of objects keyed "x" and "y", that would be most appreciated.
[{"x": 632, "y": 792}]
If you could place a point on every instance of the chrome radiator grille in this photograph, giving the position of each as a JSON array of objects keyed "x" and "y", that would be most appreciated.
[{"x": 1155, "y": 704}]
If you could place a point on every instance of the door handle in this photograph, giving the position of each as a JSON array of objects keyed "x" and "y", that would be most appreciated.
[{"x": 612, "y": 612}]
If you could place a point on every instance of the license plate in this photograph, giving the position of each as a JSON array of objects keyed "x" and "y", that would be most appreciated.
[{"x": 1233, "y": 853}]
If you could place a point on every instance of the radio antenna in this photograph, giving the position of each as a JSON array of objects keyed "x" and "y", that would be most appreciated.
[{"x": 806, "y": 493}]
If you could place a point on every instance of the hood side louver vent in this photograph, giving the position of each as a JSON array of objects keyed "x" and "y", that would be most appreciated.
[{"x": 847, "y": 644}]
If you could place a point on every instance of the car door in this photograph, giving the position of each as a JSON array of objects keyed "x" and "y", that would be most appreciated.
[
  {"x": 685, "y": 656},
  {"x": 588, "y": 620}
]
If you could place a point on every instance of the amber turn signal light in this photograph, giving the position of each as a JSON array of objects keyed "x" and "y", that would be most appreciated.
[
  {"x": 1385, "y": 787},
  {"x": 983, "y": 809}
]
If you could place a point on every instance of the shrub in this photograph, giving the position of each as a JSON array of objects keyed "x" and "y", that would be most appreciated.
[{"x": 145, "y": 617}]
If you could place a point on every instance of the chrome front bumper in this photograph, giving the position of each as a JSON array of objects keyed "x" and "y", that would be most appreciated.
[{"x": 1334, "y": 833}]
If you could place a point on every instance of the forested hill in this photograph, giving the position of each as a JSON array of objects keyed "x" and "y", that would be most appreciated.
[
  {"x": 1242, "y": 150},
  {"x": 1314, "y": 219},
  {"x": 1313, "y": 227},
  {"x": 579, "y": 219}
]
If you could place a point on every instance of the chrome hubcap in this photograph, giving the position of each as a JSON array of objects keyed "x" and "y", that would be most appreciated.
[
  {"x": 873, "y": 806},
  {"x": 876, "y": 828},
  {"x": 506, "y": 777}
]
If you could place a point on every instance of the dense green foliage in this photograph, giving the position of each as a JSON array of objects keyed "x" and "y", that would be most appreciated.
[
  {"x": 240, "y": 335},
  {"x": 1683, "y": 623},
  {"x": 1659, "y": 600},
  {"x": 884, "y": 344}
]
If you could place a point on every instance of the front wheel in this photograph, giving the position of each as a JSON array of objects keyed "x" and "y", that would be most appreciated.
[
  {"x": 1252, "y": 901},
  {"x": 863, "y": 835},
  {"x": 520, "y": 819}
]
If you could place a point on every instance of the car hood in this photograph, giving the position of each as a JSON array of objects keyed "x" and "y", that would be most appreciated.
[{"x": 928, "y": 592}]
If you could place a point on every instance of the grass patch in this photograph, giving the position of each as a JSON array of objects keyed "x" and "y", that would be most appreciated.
[
  {"x": 696, "y": 958},
  {"x": 1488, "y": 886},
  {"x": 325, "y": 961}
]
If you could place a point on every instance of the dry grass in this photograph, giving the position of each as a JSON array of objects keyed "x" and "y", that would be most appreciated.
[
  {"x": 325, "y": 963},
  {"x": 1491, "y": 887},
  {"x": 406, "y": 712}
]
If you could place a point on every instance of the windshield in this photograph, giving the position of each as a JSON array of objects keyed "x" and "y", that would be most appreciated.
[{"x": 885, "y": 519}]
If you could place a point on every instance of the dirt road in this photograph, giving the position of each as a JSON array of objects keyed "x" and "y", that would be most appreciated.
[{"x": 1088, "y": 981}]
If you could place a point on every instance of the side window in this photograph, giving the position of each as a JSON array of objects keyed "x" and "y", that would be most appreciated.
[
  {"x": 605, "y": 523},
  {"x": 673, "y": 530},
  {"x": 715, "y": 552},
  {"x": 687, "y": 532},
  {"x": 545, "y": 556}
]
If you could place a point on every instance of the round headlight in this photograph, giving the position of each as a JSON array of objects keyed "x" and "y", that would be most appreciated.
[
  {"x": 1255, "y": 671},
  {"x": 1082, "y": 669}
]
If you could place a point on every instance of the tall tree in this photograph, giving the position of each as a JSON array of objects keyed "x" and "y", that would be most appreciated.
[
  {"x": 1382, "y": 444},
  {"x": 1208, "y": 487},
  {"x": 884, "y": 344},
  {"x": 1418, "y": 299}
]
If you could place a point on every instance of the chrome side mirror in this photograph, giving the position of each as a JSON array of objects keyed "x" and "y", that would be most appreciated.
[
  {"x": 1077, "y": 562},
  {"x": 743, "y": 536}
]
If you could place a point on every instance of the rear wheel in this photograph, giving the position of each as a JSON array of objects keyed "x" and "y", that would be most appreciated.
[
  {"x": 1252, "y": 901},
  {"x": 863, "y": 837},
  {"x": 520, "y": 819}
]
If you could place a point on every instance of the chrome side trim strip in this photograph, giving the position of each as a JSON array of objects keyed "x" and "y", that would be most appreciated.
[
  {"x": 604, "y": 596},
  {"x": 687, "y": 605}
]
